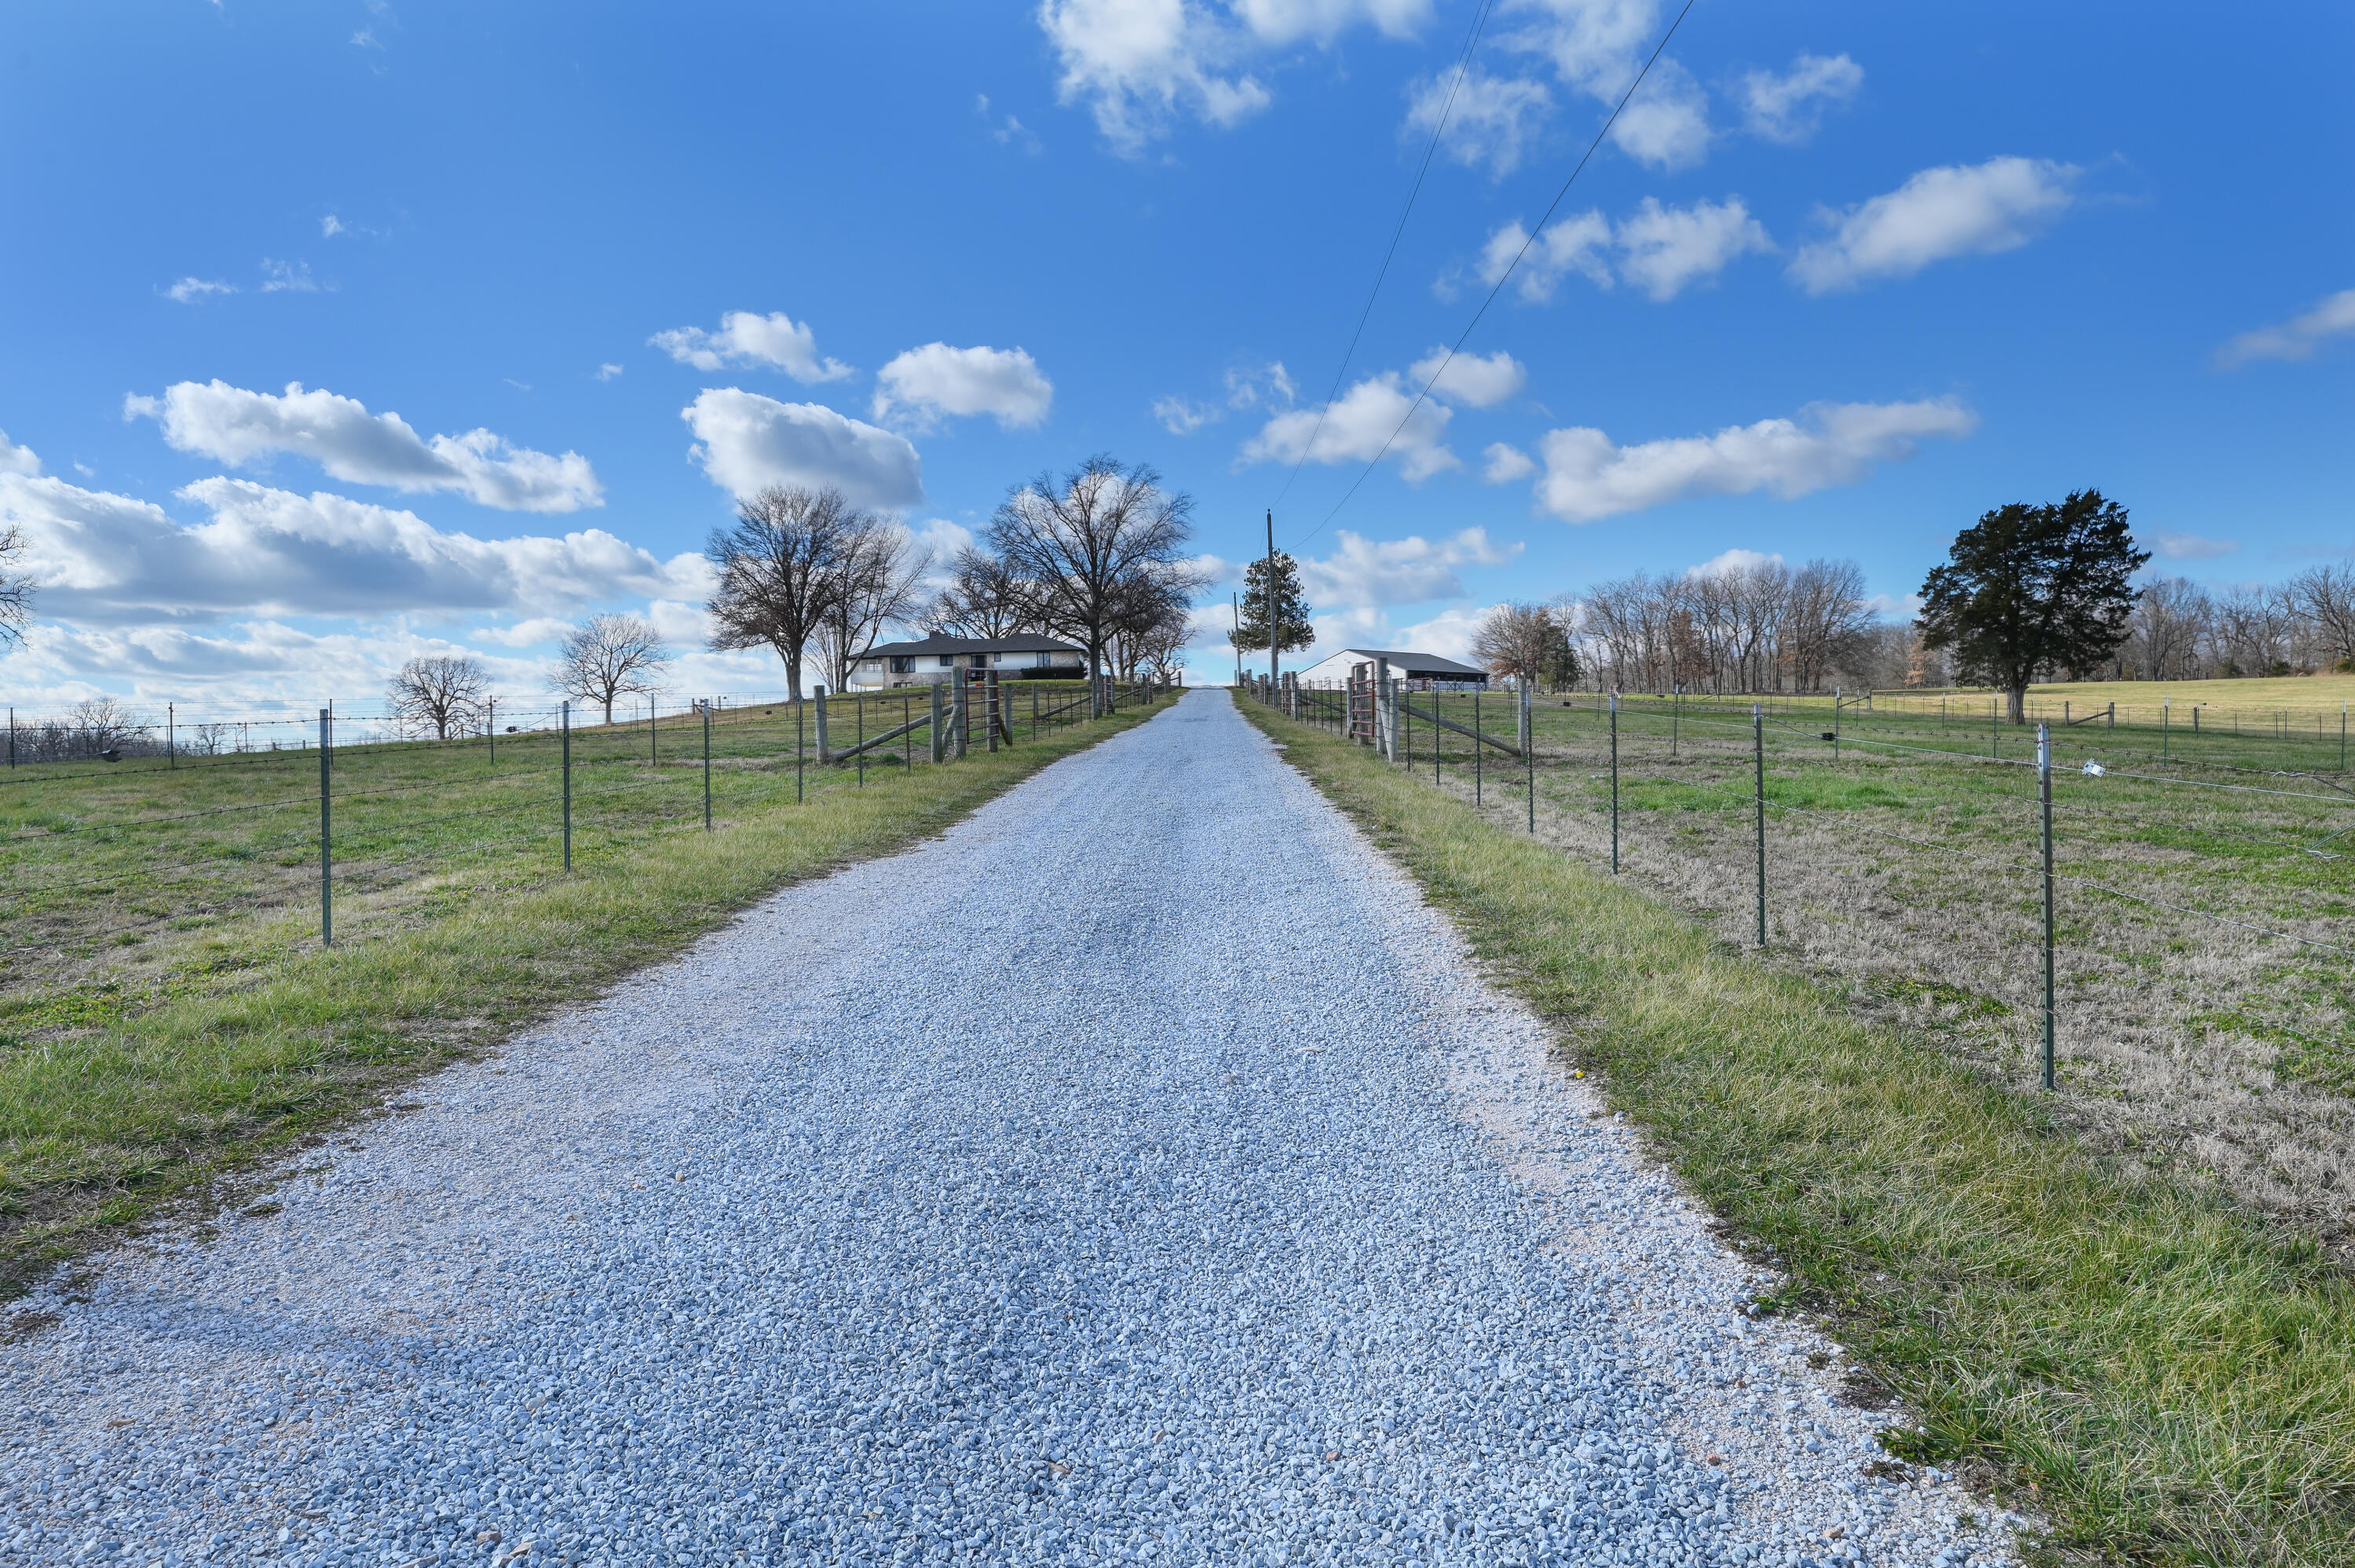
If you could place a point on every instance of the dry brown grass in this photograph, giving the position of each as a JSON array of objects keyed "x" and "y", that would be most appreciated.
[{"x": 1905, "y": 882}]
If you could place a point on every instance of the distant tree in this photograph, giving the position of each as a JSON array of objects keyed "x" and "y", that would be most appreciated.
[
  {"x": 212, "y": 737},
  {"x": 781, "y": 566},
  {"x": 1291, "y": 628},
  {"x": 1527, "y": 643},
  {"x": 442, "y": 692},
  {"x": 1825, "y": 620},
  {"x": 1154, "y": 619},
  {"x": 103, "y": 725},
  {"x": 2033, "y": 588},
  {"x": 2171, "y": 617},
  {"x": 1160, "y": 650},
  {"x": 610, "y": 656},
  {"x": 1092, "y": 544},
  {"x": 984, "y": 598},
  {"x": 16, "y": 592},
  {"x": 875, "y": 579},
  {"x": 2324, "y": 596}
]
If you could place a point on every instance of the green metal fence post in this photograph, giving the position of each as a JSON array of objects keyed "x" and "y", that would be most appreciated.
[
  {"x": 1614, "y": 783},
  {"x": 564, "y": 725},
  {"x": 706, "y": 706},
  {"x": 1477, "y": 744},
  {"x": 1758, "y": 757},
  {"x": 327, "y": 854},
  {"x": 2044, "y": 799}
]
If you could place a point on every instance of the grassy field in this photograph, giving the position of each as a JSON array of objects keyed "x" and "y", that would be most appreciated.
[
  {"x": 2205, "y": 916},
  {"x": 2295, "y": 722},
  {"x": 2165, "y": 1376},
  {"x": 168, "y": 1011}
]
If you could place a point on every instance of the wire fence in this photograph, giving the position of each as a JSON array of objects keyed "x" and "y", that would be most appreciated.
[
  {"x": 2165, "y": 933},
  {"x": 123, "y": 872}
]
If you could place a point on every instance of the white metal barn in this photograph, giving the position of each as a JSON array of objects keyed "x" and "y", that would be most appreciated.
[{"x": 1405, "y": 665}]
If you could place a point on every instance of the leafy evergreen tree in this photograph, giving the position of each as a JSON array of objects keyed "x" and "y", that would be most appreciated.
[
  {"x": 1292, "y": 630},
  {"x": 2034, "y": 588}
]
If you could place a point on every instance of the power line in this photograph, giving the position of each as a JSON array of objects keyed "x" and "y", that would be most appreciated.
[
  {"x": 1502, "y": 277},
  {"x": 1463, "y": 68}
]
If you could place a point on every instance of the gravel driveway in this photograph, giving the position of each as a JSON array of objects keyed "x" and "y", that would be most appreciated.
[{"x": 1136, "y": 1173}]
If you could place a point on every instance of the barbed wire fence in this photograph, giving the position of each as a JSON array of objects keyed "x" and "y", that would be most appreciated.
[
  {"x": 2161, "y": 929},
  {"x": 105, "y": 847}
]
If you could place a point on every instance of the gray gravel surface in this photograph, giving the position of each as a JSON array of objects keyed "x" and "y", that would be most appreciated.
[{"x": 1136, "y": 1173}]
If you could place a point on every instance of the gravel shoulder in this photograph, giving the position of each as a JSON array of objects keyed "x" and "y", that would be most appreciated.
[{"x": 1138, "y": 1171}]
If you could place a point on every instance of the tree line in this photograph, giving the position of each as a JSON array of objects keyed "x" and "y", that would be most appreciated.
[{"x": 2028, "y": 594}]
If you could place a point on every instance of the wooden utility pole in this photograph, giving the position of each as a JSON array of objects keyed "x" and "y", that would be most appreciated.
[{"x": 1273, "y": 642}]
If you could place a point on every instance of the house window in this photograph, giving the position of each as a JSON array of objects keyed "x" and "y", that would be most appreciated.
[
  {"x": 902, "y": 663},
  {"x": 948, "y": 661}
]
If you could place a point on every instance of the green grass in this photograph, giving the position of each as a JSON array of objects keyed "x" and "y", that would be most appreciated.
[
  {"x": 144, "y": 1073},
  {"x": 2163, "y": 1377}
]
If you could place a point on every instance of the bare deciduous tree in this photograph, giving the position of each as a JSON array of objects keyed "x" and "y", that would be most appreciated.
[
  {"x": 212, "y": 737},
  {"x": 2325, "y": 597},
  {"x": 780, "y": 569},
  {"x": 442, "y": 691},
  {"x": 1155, "y": 617},
  {"x": 16, "y": 592},
  {"x": 876, "y": 580},
  {"x": 103, "y": 725},
  {"x": 984, "y": 599},
  {"x": 1088, "y": 545},
  {"x": 610, "y": 656}
]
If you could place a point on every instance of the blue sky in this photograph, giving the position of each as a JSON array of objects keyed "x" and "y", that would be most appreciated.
[{"x": 1844, "y": 277}]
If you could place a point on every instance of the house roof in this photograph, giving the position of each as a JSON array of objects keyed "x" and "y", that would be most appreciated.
[
  {"x": 1413, "y": 663},
  {"x": 1016, "y": 643}
]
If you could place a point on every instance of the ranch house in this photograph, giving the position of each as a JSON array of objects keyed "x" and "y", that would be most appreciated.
[{"x": 1023, "y": 656}]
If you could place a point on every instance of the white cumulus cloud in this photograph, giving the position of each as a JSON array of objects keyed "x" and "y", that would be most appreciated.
[
  {"x": 191, "y": 290},
  {"x": 1507, "y": 463},
  {"x": 1579, "y": 243},
  {"x": 1955, "y": 210},
  {"x": 1661, "y": 250},
  {"x": 236, "y": 426},
  {"x": 105, "y": 559},
  {"x": 1727, "y": 562},
  {"x": 1477, "y": 380},
  {"x": 2296, "y": 339},
  {"x": 287, "y": 278},
  {"x": 1587, "y": 477},
  {"x": 775, "y": 341},
  {"x": 1364, "y": 573},
  {"x": 1786, "y": 108},
  {"x": 1356, "y": 427},
  {"x": 14, "y": 459},
  {"x": 1666, "y": 125},
  {"x": 745, "y": 441},
  {"x": 924, "y": 384},
  {"x": 1180, "y": 417},
  {"x": 1142, "y": 64},
  {"x": 1595, "y": 47},
  {"x": 1490, "y": 120}
]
